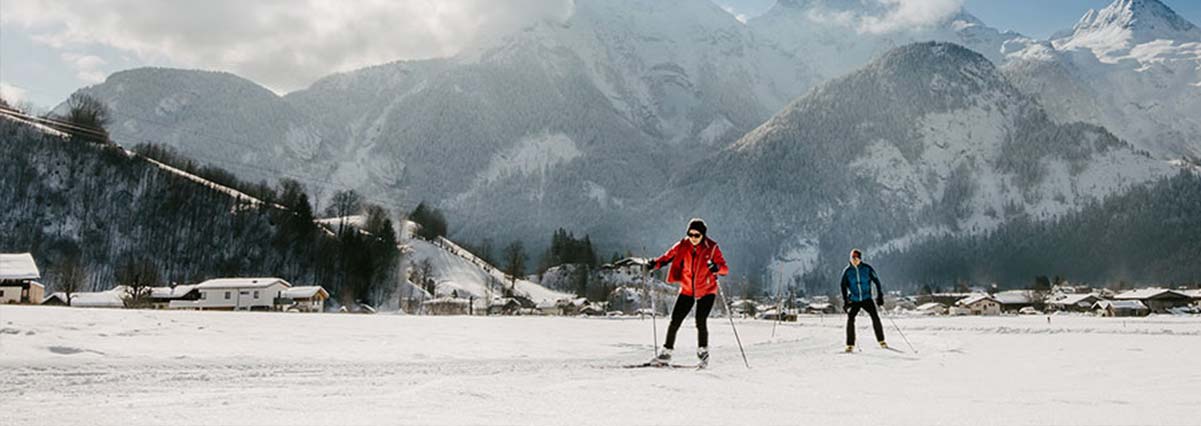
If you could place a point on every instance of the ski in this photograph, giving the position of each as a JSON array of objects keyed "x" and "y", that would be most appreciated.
[{"x": 654, "y": 365}]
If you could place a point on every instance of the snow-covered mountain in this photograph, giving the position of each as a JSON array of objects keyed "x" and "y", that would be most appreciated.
[
  {"x": 617, "y": 121},
  {"x": 929, "y": 139},
  {"x": 1133, "y": 67}
]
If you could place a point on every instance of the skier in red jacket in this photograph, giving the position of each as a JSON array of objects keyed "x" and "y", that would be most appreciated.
[{"x": 695, "y": 262}]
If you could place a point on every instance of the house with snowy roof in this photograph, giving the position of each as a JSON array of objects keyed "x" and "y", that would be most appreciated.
[
  {"x": 235, "y": 294},
  {"x": 1121, "y": 308},
  {"x": 1158, "y": 300},
  {"x": 18, "y": 279},
  {"x": 1074, "y": 302},
  {"x": 1015, "y": 300},
  {"x": 161, "y": 297},
  {"x": 978, "y": 304},
  {"x": 111, "y": 298},
  {"x": 303, "y": 299}
]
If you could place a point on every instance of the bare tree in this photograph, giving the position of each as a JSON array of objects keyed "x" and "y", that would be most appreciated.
[
  {"x": 515, "y": 258},
  {"x": 90, "y": 113},
  {"x": 71, "y": 277},
  {"x": 344, "y": 204},
  {"x": 138, "y": 276}
]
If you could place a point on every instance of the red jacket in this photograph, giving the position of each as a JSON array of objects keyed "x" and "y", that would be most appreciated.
[{"x": 690, "y": 266}]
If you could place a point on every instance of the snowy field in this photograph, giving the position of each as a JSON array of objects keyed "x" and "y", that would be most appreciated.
[{"x": 61, "y": 366}]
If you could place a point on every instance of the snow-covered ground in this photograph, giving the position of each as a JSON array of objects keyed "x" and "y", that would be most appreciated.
[{"x": 67, "y": 366}]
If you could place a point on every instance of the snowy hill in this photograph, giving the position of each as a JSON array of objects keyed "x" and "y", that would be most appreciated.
[
  {"x": 928, "y": 139},
  {"x": 459, "y": 272},
  {"x": 1133, "y": 67}
]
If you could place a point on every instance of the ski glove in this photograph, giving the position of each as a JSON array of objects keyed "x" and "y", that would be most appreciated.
[
  {"x": 713, "y": 267},
  {"x": 880, "y": 302},
  {"x": 652, "y": 265},
  {"x": 846, "y": 306}
]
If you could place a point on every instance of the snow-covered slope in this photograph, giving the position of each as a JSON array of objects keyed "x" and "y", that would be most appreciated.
[
  {"x": 1133, "y": 67},
  {"x": 459, "y": 272}
]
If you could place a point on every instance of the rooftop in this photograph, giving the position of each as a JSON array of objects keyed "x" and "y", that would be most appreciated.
[{"x": 18, "y": 266}]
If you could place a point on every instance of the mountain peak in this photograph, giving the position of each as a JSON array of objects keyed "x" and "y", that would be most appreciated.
[{"x": 1126, "y": 23}]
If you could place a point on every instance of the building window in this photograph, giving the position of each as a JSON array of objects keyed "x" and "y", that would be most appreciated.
[
  {"x": 227, "y": 295},
  {"x": 1, "y": 293},
  {"x": 202, "y": 296},
  {"x": 256, "y": 294}
]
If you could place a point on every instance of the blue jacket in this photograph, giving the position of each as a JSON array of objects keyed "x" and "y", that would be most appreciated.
[{"x": 857, "y": 283}]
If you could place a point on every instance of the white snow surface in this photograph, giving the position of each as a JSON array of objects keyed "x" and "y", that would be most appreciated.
[
  {"x": 182, "y": 367},
  {"x": 457, "y": 270}
]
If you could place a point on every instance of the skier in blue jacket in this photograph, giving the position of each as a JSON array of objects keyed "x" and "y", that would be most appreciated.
[{"x": 857, "y": 280}]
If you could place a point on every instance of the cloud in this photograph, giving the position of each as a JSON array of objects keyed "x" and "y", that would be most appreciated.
[
  {"x": 885, "y": 16},
  {"x": 11, "y": 94},
  {"x": 87, "y": 67},
  {"x": 283, "y": 44}
]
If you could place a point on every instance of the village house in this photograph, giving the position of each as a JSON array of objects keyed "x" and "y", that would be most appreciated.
[
  {"x": 18, "y": 280},
  {"x": 978, "y": 304},
  {"x": 1121, "y": 308},
  {"x": 1015, "y": 300},
  {"x": 111, "y": 298},
  {"x": 161, "y": 297},
  {"x": 1074, "y": 302},
  {"x": 1158, "y": 300},
  {"x": 303, "y": 299},
  {"x": 238, "y": 294}
]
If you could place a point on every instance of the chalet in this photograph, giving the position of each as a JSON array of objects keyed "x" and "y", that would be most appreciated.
[
  {"x": 1016, "y": 300},
  {"x": 1121, "y": 308},
  {"x": 1074, "y": 302},
  {"x": 303, "y": 299},
  {"x": 161, "y": 297},
  {"x": 237, "y": 294},
  {"x": 979, "y": 304},
  {"x": 1158, "y": 300},
  {"x": 18, "y": 280}
]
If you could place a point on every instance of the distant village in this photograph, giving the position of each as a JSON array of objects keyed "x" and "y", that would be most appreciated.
[{"x": 19, "y": 276}]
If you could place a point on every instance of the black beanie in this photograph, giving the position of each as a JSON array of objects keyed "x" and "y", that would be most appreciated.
[{"x": 698, "y": 225}]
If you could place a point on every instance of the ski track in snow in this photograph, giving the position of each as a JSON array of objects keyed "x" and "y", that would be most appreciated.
[{"x": 69, "y": 366}]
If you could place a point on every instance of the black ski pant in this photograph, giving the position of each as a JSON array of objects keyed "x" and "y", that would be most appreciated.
[
  {"x": 680, "y": 311},
  {"x": 869, "y": 306}
]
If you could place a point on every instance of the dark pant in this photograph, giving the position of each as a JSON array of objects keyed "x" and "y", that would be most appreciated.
[
  {"x": 680, "y": 311},
  {"x": 870, "y": 307}
]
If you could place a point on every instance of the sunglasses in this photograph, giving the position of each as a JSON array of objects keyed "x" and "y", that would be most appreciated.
[{"x": 694, "y": 235}]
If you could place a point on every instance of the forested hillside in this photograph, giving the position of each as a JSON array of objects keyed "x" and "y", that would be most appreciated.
[
  {"x": 1150, "y": 235},
  {"x": 65, "y": 200}
]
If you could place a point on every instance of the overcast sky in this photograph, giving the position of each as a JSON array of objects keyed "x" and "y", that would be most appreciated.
[{"x": 49, "y": 48}]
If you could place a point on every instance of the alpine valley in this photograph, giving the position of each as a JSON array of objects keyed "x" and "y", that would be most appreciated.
[{"x": 797, "y": 135}]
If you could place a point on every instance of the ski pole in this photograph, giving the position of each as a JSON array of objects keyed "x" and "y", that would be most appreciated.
[
  {"x": 730, "y": 315},
  {"x": 894, "y": 325},
  {"x": 654, "y": 325}
]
